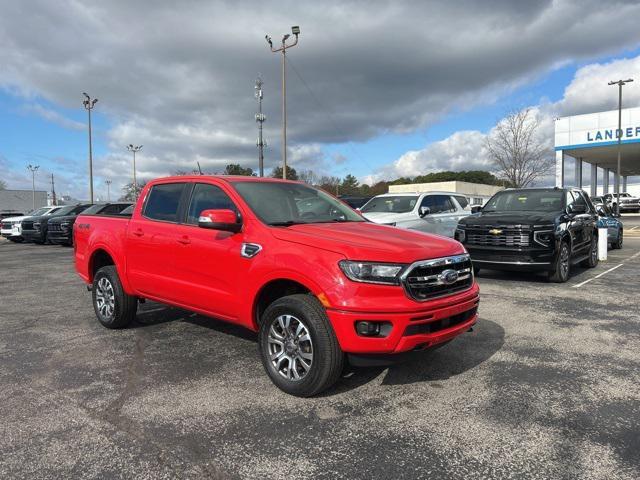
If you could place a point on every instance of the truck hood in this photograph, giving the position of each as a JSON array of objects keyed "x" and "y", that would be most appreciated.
[
  {"x": 385, "y": 217},
  {"x": 510, "y": 218},
  {"x": 63, "y": 218},
  {"x": 15, "y": 219},
  {"x": 370, "y": 242}
]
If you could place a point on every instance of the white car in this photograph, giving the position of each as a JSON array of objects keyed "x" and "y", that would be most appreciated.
[
  {"x": 431, "y": 212},
  {"x": 11, "y": 229}
]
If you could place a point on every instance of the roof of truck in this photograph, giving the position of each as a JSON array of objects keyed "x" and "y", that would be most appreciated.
[{"x": 228, "y": 178}]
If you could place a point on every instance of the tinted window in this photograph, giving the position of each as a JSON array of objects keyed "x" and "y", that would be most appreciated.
[
  {"x": 114, "y": 208},
  {"x": 462, "y": 201},
  {"x": 579, "y": 199},
  {"x": 208, "y": 197},
  {"x": 93, "y": 209},
  {"x": 438, "y": 204},
  {"x": 399, "y": 204},
  {"x": 526, "y": 201},
  {"x": 127, "y": 211},
  {"x": 163, "y": 201}
]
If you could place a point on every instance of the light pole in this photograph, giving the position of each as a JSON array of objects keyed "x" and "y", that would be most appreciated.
[
  {"x": 260, "y": 118},
  {"x": 33, "y": 169},
  {"x": 620, "y": 83},
  {"x": 108, "y": 183},
  {"x": 296, "y": 31},
  {"x": 88, "y": 105},
  {"x": 134, "y": 149}
]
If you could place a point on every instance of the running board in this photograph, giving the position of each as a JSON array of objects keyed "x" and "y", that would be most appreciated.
[{"x": 577, "y": 260}]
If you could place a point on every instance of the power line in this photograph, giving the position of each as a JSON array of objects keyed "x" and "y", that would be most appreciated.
[{"x": 326, "y": 111}]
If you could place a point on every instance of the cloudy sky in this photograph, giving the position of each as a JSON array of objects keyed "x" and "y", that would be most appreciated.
[{"x": 377, "y": 89}]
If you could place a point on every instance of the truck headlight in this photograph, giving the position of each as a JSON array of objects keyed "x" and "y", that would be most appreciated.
[
  {"x": 370, "y": 272},
  {"x": 543, "y": 237},
  {"x": 460, "y": 235}
]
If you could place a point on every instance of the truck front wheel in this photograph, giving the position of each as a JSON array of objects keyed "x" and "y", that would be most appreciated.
[
  {"x": 298, "y": 346},
  {"x": 113, "y": 307}
]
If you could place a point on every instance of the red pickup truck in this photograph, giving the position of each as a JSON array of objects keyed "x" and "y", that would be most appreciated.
[{"x": 319, "y": 283}]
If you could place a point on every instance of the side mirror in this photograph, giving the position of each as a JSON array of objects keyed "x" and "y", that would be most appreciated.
[
  {"x": 424, "y": 211},
  {"x": 577, "y": 209},
  {"x": 222, "y": 219},
  {"x": 476, "y": 208}
]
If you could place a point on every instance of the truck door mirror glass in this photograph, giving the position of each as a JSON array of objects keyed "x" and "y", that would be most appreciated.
[
  {"x": 222, "y": 219},
  {"x": 576, "y": 209},
  {"x": 476, "y": 208},
  {"x": 424, "y": 211}
]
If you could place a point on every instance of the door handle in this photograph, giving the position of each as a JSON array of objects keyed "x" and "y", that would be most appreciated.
[
  {"x": 184, "y": 240},
  {"x": 138, "y": 232}
]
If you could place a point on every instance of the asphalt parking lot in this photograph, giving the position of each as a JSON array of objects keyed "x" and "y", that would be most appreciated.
[{"x": 546, "y": 386}]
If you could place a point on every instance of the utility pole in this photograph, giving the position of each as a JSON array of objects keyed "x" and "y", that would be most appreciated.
[
  {"x": 620, "y": 83},
  {"x": 296, "y": 31},
  {"x": 53, "y": 192},
  {"x": 260, "y": 118},
  {"x": 33, "y": 169},
  {"x": 134, "y": 149},
  {"x": 108, "y": 182},
  {"x": 88, "y": 105}
]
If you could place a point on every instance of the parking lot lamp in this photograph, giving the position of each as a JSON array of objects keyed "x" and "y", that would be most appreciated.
[
  {"x": 89, "y": 103},
  {"x": 295, "y": 30},
  {"x": 620, "y": 83},
  {"x": 108, "y": 183},
  {"x": 134, "y": 149},
  {"x": 33, "y": 169}
]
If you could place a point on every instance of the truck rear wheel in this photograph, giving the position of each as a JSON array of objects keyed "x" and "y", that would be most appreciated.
[
  {"x": 113, "y": 307},
  {"x": 298, "y": 346}
]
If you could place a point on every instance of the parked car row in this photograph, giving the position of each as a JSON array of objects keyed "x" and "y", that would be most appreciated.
[
  {"x": 628, "y": 203},
  {"x": 53, "y": 224}
]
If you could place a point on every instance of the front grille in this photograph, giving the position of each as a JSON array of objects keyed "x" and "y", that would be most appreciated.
[
  {"x": 498, "y": 236},
  {"x": 27, "y": 225},
  {"x": 442, "y": 324},
  {"x": 55, "y": 227},
  {"x": 439, "y": 277},
  {"x": 6, "y": 225}
]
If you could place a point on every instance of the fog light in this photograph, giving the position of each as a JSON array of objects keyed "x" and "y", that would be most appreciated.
[{"x": 368, "y": 329}]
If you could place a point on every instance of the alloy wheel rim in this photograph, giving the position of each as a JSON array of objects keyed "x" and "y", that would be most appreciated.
[
  {"x": 105, "y": 298},
  {"x": 290, "y": 347}
]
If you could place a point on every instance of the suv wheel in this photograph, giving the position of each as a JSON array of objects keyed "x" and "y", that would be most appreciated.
[
  {"x": 298, "y": 346},
  {"x": 113, "y": 307},
  {"x": 592, "y": 261},
  {"x": 560, "y": 272},
  {"x": 618, "y": 243}
]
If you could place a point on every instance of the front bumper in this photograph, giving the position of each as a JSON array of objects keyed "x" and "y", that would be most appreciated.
[
  {"x": 59, "y": 236},
  {"x": 629, "y": 207},
  {"x": 31, "y": 235},
  {"x": 500, "y": 258},
  {"x": 14, "y": 232},
  {"x": 429, "y": 324}
]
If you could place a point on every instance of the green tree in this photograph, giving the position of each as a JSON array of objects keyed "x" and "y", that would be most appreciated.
[
  {"x": 349, "y": 185},
  {"x": 236, "y": 169},
  {"x": 291, "y": 173},
  {"x": 129, "y": 193}
]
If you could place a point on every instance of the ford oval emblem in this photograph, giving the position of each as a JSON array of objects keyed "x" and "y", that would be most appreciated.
[{"x": 449, "y": 276}]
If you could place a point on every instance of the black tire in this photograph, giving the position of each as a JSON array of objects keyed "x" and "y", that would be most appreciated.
[
  {"x": 593, "y": 259},
  {"x": 476, "y": 271},
  {"x": 119, "y": 312},
  {"x": 617, "y": 245},
  {"x": 15, "y": 240},
  {"x": 562, "y": 265},
  {"x": 327, "y": 359}
]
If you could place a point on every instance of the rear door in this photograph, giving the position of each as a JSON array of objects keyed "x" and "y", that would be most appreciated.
[
  {"x": 150, "y": 242},
  {"x": 208, "y": 267}
]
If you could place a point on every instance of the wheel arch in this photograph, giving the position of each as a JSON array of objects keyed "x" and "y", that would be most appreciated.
[{"x": 273, "y": 290}]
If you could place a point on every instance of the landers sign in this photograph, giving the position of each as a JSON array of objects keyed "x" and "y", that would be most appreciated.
[{"x": 613, "y": 134}]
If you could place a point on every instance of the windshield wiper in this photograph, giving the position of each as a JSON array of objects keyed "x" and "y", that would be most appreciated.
[{"x": 287, "y": 223}]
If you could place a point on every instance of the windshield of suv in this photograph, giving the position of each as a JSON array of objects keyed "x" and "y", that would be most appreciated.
[
  {"x": 399, "y": 204},
  {"x": 526, "y": 201},
  {"x": 93, "y": 209},
  {"x": 38, "y": 212},
  {"x": 278, "y": 203}
]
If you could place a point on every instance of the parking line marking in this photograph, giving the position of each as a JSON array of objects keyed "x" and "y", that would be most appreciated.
[
  {"x": 633, "y": 228},
  {"x": 598, "y": 276}
]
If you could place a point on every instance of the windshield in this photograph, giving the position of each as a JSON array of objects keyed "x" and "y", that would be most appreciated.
[
  {"x": 278, "y": 203},
  {"x": 53, "y": 210},
  {"x": 93, "y": 209},
  {"x": 399, "y": 204},
  {"x": 40, "y": 211},
  {"x": 526, "y": 200}
]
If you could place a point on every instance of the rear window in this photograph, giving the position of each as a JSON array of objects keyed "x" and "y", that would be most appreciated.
[{"x": 163, "y": 202}]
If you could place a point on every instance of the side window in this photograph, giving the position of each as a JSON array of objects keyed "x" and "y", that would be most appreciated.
[
  {"x": 207, "y": 197},
  {"x": 113, "y": 209},
  {"x": 462, "y": 201},
  {"x": 568, "y": 199},
  {"x": 438, "y": 204},
  {"x": 163, "y": 202},
  {"x": 580, "y": 199}
]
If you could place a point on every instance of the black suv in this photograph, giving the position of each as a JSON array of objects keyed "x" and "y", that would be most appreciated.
[
  {"x": 533, "y": 229},
  {"x": 34, "y": 229},
  {"x": 60, "y": 229}
]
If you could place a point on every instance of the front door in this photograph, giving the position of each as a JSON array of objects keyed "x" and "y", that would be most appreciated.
[
  {"x": 442, "y": 214},
  {"x": 208, "y": 269}
]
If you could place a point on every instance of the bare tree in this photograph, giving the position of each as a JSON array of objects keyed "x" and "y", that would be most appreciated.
[
  {"x": 517, "y": 151},
  {"x": 308, "y": 176},
  {"x": 3, "y": 185}
]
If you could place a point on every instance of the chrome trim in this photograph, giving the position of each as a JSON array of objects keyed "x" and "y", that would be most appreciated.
[
  {"x": 438, "y": 262},
  {"x": 245, "y": 254},
  {"x": 511, "y": 263}
]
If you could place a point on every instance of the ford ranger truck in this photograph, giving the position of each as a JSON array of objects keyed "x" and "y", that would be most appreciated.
[{"x": 319, "y": 287}]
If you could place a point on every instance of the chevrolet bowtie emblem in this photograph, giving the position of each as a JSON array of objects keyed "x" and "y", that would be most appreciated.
[{"x": 495, "y": 231}]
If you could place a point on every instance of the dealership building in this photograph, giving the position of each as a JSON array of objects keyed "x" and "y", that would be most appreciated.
[{"x": 591, "y": 141}]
